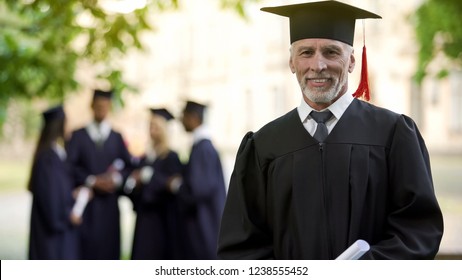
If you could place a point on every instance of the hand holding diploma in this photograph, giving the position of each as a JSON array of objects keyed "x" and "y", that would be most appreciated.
[
  {"x": 83, "y": 196},
  {"x": 355, "y": 251}
]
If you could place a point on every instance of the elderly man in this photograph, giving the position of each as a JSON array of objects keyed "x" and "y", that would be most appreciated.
[{"x": 334, "y": 170}]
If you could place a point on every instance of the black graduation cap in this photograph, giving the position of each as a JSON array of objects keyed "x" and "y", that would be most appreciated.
[
  {"x": 327, "y": 20},
  {"x": 162, "y": 112},
  {"x": 192, "y": 106},
  {"x": 324, "y": 19},
  {"x": 102, "y": 93},
  {"x": 53, "y": 113}
]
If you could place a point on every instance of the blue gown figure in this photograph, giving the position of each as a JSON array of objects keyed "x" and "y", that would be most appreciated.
[
  {"x": 157, "y": 234},
  {"x": 53, "y": 235},
  {"x": 100, "y": 160},
  {"x": 202, "y": 189}
]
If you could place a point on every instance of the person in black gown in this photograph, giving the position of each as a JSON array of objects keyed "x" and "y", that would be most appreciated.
[
  {"x": 201, "y": 190},
  {"x": 53, "y": 234},
  {"x": 157, "y": 234},
  {"x": 101, "y": 161},
  {"x": 296, "y": 195}
]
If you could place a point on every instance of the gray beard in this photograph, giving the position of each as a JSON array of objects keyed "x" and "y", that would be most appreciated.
[{"x": 320, "y": 96}]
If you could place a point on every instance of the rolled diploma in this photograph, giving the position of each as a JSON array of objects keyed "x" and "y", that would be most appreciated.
[
  {"x": 355, "y": 251},
  {"x": 81, "y": 202},
  {"x": 130, "y": 184}
]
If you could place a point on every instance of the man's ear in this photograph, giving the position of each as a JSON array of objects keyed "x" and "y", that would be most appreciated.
[
  {"x": 351, "y": 67},
  {"x": 291, "y": 65}
]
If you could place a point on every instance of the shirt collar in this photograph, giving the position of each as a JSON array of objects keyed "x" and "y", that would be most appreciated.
[
  {"x": 59, "y": 150},
  {"x": 104, "y": 126},
  {"x": 104, "y": 130},
  {"x": 337, "y": 108},
  {"x": 200, "y": 133}
]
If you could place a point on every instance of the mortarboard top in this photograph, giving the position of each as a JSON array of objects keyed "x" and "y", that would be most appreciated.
[
  {"x": 102, "y": 93},
  {"x": 192, "y": 106},
  {"x": 162, "y": 112},
  {"x": 323, "y": 19},
  {"x": 53, "y": 113}
]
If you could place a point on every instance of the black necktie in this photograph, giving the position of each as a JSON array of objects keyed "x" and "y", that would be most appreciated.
[
  {"x": 321, "y": 129},
  {"x": 99, "y": 140}
]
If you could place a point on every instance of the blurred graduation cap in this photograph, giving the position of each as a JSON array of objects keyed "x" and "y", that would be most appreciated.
[
  {"x": 192, "y": 106},
  {"x": 162, "y": 112},
  {"x": 53, "y": 113},
  {"x": 327, "y": 20},
  {"x": 102, "y": 93}
]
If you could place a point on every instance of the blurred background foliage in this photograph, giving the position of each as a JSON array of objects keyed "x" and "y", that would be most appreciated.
[
  {"x": 43, "y": 42},
  {"x": 438, "y": 30}
]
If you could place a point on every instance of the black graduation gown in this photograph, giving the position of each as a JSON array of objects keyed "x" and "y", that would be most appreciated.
[
  {"x": 293, "y": 198},
  {"x": 100, "y": 230},
  {"x": 157, "y": 232},
  {"x": 52, "y": 236},
  {"x": 202, "y": 200}
]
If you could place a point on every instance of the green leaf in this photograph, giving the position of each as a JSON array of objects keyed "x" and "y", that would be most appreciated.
[{"x": 438, "y": 30}]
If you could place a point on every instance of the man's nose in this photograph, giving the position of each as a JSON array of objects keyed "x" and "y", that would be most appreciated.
[{"x": 318, "y": 63}]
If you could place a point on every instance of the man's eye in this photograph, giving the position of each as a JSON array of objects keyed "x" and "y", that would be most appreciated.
[{"x": 332, "y": 52}]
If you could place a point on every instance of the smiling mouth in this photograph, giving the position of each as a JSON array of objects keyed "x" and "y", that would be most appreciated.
[{"x": 318, "y": 82}]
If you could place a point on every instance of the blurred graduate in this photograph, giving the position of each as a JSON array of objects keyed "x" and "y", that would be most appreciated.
[
  {"x": 157, "y": 233},
  {"x": 53, "y": 234},
  {"x": 100, "y": 161},
  {"x": 201, "y": 190}
]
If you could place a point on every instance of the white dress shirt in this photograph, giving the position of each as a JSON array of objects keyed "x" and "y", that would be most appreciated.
[
  {"x": 337, "y": 108},
  {"x": 99, "y": 132},
  {"x": 59, "y": 150},
  {"x": 201, "y": 132}
]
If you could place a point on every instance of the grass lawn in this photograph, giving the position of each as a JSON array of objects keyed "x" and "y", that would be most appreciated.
[{"x": 14, "y": 175}]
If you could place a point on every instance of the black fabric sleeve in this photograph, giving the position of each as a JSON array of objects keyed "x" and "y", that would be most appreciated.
[
  {"x": 415, "y": 223},
  {"x": 244, "y": 233}
]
